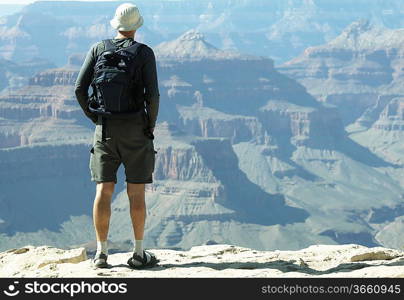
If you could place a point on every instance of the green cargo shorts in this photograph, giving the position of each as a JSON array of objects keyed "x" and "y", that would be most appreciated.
[{"x": 125, "y": 142}]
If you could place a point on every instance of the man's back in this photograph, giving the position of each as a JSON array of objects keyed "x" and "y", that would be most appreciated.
[{"x": 145, "y": 78}]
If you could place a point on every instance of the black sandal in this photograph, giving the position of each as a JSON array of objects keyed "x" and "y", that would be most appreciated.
[
  {"x": 142, "y": 260},
  {"x": 100, "y": 261}
]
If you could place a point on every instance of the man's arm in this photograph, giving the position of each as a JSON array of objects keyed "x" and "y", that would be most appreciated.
[
  {"x": 152, "y": 94},
  {"x": 83, "y": 82}
]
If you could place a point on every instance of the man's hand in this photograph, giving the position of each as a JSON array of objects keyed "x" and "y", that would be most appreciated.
[
  {"x": 148, "y": 131},
  {"x": 92, "y": 116}
]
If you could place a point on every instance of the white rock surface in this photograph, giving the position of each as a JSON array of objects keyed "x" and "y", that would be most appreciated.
[
  {"x": 31, "y": 260},
  {"x": 212, "y": 261}
]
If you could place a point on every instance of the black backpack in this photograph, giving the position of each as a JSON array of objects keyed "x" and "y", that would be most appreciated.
[{"x": 114, "y": 82}]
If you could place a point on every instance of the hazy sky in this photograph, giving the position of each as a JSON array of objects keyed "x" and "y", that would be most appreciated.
[{"x": 30, "y": 1}]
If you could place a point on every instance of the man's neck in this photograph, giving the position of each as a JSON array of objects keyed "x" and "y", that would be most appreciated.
[{"x": 124, "y": 36}]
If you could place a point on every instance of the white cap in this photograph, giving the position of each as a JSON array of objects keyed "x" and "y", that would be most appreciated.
[{"x": 127, "y": 18}]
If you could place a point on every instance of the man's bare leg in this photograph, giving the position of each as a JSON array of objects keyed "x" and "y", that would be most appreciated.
[
  {"x": 101, "y": 216},
  {"x": 136, "y": 195},
  {"x": 102, "y": 209}
]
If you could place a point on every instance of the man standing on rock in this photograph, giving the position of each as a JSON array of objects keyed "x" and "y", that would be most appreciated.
[{"x": 127, "y": 141}]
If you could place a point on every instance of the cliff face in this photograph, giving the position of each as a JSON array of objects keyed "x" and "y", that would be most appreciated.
[
  {"x": 14, "y": 75},
  {"x": 212, "y": 123},
  {"x": 43, "y": 110},
  {"x": 360, "y": 72},
  {"x": 177, "y": 159},
  {"x": 54, "y": 77},
  {"x": 381, "y": 129},
  {"x": 304, "y": 126},
  {"x": 392, "y": 116},
  {"x": 34, "y": 113},
  {"x": 360, "y": 64},
  {"x": 51, "y": 168}
]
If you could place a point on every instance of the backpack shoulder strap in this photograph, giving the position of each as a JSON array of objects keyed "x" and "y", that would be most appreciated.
[
  {"x": 109, "y": 45},
  {"x": 134, "y": 49}
]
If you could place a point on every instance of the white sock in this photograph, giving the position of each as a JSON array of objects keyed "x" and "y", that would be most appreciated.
[
  {"x": 102, "y": 247},
  {"x": 139, "y": 247},
  {"x": 139, "y": 251}
]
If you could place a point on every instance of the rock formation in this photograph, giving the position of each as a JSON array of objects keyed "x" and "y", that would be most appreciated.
[
  {"x": 220, "y": 260},
  {"x": 278, "y": 29},
  {"x": 360, "y": 72},
  {"x": 353, "y": 70},
  {"x": 244, "y": 156},
  {"x": 192, "y": 46}
]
